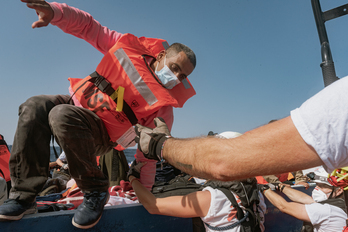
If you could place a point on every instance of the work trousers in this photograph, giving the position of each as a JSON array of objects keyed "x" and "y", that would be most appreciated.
[
  {"x": 80, "y": 133},
  {"x": 3, "y": 190}
]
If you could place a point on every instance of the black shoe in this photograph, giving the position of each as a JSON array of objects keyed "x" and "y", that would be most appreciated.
[
  {"x": 90, "y": 211},
  {"x": 14, "y": 209}
]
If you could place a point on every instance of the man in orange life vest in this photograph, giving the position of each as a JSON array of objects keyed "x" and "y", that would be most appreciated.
[{"x": 137, "y": 80}]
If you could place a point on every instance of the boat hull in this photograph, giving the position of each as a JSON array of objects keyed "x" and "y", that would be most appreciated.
[{"x": 135, "y": 218}]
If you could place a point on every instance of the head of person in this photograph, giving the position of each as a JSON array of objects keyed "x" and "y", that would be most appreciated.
[
  {"x": 323, "y": 189},
  {"x": 174, "y": 64},
  {"x": 228, "y": 135}
]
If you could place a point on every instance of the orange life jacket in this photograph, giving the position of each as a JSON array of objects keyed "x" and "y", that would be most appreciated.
[
  {"x": 281, "y": 177},
  {"x": 135, "y": 91},
  {"x": 261, "y": 180},
  {"x": 4, "y": 159}
]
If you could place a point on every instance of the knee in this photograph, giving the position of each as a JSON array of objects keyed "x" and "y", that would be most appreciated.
[
  {"x": 32, "y": 108},
  {"x": 59, "y": 115}
]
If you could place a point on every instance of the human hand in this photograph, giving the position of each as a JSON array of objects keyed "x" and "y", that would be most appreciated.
[
  {"x": 150, "y": 141},
  {"x": 263, "y": 187},
  {"x": 43, "y": 10},
  {"x": 280, "y": 186},
  {"x": 134, "y": 169}
]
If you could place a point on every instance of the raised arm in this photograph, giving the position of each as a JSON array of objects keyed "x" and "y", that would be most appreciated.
[{"x": 75, "y": 22}]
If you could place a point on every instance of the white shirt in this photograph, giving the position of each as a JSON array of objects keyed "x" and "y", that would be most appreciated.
[
  {"x": 62, "y": 157},
  {"x": 326, "y": 218},
  {"x": 221, "y": 213},
  {"x": 322, "y": 122}
]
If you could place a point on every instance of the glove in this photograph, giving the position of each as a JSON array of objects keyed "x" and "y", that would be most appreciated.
[
  {"x": 279, "y": 187},
  {"x": 273, "y": 186},
  {"x": 262, "y": 187},
  {"x": 150, "y": 141},
  {"x": 134, "y": 169}
]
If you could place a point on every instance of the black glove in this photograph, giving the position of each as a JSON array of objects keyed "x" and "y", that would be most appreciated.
[
  {"x": 134, "y": 169},
  {"x": 150, "y": 141},
  {"x": 279, "y": 187},
  {"x": 262, "y": 187}
]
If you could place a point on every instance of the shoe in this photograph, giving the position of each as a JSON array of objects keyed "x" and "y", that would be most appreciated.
[
  {"x": 90, "y": 211},
  {"x": 14, "y": 209}
]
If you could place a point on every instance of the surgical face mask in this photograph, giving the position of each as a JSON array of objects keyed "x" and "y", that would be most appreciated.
[
  {"x": 318, "y": 195},
  {"x": 166, "y": 76}
]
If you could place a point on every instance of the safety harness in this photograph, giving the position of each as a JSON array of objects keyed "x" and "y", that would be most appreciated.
[
  {"x": 116, "y": 95},
  {"x": 247, "y": 192}
]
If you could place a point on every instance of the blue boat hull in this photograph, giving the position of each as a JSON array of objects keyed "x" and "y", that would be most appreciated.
[{"x": 135, "y": 218}]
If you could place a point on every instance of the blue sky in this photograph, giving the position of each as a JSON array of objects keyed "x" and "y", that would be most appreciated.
[{"x": 256, "y": 60}]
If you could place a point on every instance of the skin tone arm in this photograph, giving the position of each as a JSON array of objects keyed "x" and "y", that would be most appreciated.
[
  {"x": 297, "y": 196},
  {"x": 55, "y": 163},
  {"x": 294, "y": 209},
  {"x": 195, "y": 204},
  {"x": 261, "y": 151}
]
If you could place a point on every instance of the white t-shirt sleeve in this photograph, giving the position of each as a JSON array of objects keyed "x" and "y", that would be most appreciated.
[
  {"x": 62, "y": 157},
  {"x": 322, "y": 122},
  {"x": 325, "y": 217},
  {"x": 220, "y": 213}
]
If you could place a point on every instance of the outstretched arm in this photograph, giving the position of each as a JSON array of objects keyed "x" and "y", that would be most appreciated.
[
  {"x": 294, "y": 209},
  {"x": 75, "y": 22},
  {"x": 297, "y": 196},
  {"x": 262, "y": 151},
  {"x": 195, "y": 204}
]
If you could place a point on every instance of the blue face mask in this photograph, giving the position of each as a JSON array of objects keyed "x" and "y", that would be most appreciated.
[{"x": 166, "y": 76}]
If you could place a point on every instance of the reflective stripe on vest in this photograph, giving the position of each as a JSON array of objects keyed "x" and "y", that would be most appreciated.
[
  {"x": 125, "y": 66},
  {"x": 135, "y": 77}
]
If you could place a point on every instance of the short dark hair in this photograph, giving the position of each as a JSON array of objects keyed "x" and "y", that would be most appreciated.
[{"x": 179, "y": 47}]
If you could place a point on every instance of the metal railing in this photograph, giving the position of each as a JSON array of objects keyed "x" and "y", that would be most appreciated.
[{"x": 327, "y": 65}]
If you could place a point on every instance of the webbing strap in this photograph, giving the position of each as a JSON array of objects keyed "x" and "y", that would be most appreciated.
[
  {"x": 2, "y": 173},
  {"x": 230, "y": 196},
  {"x": 228, "y": 227},
  {"x": 103, "y": 85}
]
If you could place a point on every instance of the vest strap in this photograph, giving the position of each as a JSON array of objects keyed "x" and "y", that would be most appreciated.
[
  {"x": 2, "y": 173},
  {"x": 103, "y": 85}
]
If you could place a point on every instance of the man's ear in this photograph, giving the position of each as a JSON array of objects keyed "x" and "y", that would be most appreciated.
[{"x": 161, "y": 55}]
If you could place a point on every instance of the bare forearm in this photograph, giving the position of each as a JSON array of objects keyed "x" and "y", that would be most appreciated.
[
  {"x": 294, "y": 209},
  {"x": 276, "y": 200},
  {"x": 297, "y": 196},
  {"x": 259, "y": 152},
  {"x": 145, "y": 197}
]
